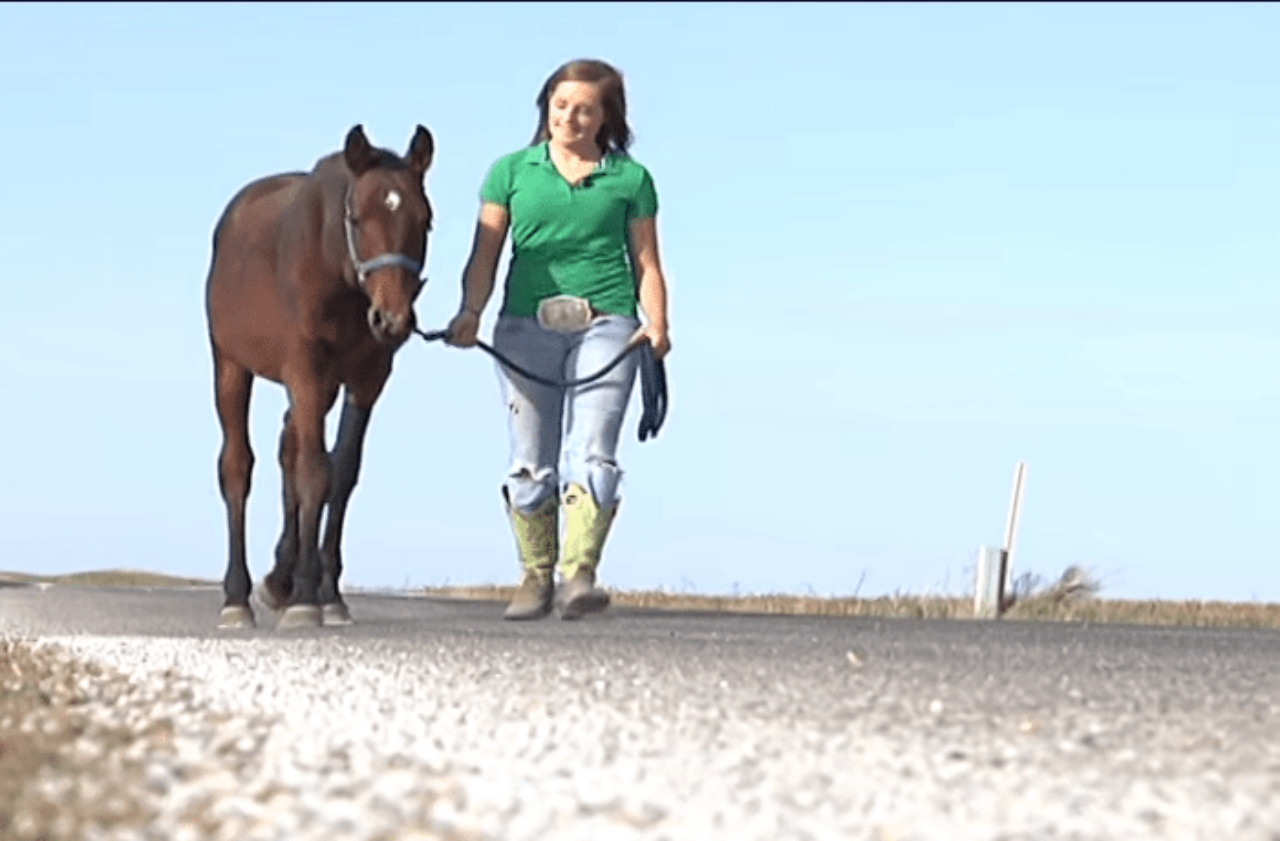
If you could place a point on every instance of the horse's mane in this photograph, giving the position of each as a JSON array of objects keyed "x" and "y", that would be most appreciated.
[{"x": 386, "y": 160}]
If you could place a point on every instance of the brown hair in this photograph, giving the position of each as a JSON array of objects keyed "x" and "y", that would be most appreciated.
[{"x": 614, "y": 134}]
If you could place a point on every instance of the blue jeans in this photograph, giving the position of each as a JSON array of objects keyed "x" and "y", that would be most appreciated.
[{"x": 564, "y": 436}]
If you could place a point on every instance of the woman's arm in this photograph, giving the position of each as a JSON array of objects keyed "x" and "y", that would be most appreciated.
[
  {"x": 652, "y": 283},
  {"x": 478, "y": 276}
]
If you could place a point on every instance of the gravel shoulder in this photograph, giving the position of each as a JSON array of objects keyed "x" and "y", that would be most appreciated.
[{"x": 434, "y": 719}]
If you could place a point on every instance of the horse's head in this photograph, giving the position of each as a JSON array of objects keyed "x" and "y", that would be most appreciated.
[{"x": 386, "y": 220}]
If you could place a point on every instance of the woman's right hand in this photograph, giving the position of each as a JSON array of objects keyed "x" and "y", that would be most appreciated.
[
  {"x": 477, "y": 277},
  {"x": 464, "y": 329}
]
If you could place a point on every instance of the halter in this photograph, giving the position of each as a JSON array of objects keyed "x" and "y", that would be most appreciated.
[{"x": 364, "y": 267}]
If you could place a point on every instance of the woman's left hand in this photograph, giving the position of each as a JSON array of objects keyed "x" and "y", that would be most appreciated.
[{"x": 658, "y": 338}]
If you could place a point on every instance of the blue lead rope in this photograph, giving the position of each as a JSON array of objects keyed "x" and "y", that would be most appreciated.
[
  {"x": 653, "y": 378},
  {"x": 653, "y": 388}
]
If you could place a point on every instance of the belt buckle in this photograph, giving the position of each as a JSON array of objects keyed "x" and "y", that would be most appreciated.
[{"x": 565, "y": 313}]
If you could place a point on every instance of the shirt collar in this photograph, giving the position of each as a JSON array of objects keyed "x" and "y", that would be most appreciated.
[{"x": 540, "y": 155}]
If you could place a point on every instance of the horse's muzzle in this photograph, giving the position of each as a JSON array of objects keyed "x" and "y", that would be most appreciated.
[{"x": 390, "y": 328}]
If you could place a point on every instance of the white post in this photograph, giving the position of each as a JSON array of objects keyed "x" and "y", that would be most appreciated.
[
  {"x": 1011, "y": 526},
  {"x": 988, "y": 591},
  {"x": 994, "y": 580}
]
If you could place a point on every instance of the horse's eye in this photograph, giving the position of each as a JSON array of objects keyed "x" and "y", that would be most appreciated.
[{"x": 392, "y": 200}]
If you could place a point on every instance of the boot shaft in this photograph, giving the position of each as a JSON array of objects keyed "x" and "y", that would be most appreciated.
[
  {"x": 536, "y": 535},
  {"x": 586, "y": 527}
]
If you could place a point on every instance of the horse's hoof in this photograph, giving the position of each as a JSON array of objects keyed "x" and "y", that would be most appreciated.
[
  {"x": 336, "y": 613},
  {"x": 235, "y": 617},
  {"x": 300, "y": 616},
  {"x": 262, "y": 595}
]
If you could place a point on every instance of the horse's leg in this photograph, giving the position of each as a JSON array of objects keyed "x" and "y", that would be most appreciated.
[
  {"x": 362, "y": 392},
  {"x": 279, "y": 582},
  {"x": 309, "y": 401},
  {"x": 346, "y": 471},
  {"x": 232, "y": 387}
]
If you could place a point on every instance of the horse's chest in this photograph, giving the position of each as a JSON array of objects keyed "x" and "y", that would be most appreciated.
[{"x": 343, "y": 338}]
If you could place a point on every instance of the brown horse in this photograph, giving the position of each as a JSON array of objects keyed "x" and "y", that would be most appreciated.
[{"x": 312, "y": 286}]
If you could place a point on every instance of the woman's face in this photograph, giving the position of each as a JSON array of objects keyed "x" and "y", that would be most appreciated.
[{"x": 575, "y": 113}]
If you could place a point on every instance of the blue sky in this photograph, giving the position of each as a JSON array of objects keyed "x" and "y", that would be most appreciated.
[{"x": 908, "y": 246}]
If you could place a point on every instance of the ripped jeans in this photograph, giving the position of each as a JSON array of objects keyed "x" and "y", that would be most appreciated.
[{"x": 564, "y": 436}]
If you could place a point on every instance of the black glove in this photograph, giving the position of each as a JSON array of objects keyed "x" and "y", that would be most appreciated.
[{"x": 653, "y": 388}]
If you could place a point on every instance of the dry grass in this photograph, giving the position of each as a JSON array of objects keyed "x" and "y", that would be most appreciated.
[
  {"x": 1048, "y": 606},
  {"x": 1071, "y": 599},
  {"x": 105, "y": 578},
  {"x": 1207, "y": 614}
]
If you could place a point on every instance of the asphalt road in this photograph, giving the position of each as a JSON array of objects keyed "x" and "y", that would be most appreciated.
[
  {"x": 896, "y": 728},
  {"x": 975, "y": 666}
]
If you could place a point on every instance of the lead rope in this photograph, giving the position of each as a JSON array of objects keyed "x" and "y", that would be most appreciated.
[
  {"x": 653, "y": 377},
  {"x": 634, "y": 343}
]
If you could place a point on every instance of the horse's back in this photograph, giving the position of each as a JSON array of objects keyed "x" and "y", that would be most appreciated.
[
  {"x": 246, "y": 309},
  {"x": 256, "y": 210}
]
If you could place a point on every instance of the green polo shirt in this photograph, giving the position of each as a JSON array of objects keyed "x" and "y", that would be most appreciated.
[{"x": 570, "y": 240}]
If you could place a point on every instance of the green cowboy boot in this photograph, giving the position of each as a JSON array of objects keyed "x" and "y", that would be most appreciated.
[
  {"x": 585, "y": 528},
  {"x": 536, "y": 540}
]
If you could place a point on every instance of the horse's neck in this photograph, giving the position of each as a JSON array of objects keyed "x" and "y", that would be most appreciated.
[
  {"x": 325, "y": 195},
  {"x": 330, "y": 164}
]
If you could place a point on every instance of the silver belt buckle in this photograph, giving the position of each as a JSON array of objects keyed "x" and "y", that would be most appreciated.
[{"x": 565, "y": 313}]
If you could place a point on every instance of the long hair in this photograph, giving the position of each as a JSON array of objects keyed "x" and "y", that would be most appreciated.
[{"x": 614, "y": 133}]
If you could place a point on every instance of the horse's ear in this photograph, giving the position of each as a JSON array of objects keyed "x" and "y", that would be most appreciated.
[
  {"x": 357, "y": 151},
  {"x": 421, "y": 149}
]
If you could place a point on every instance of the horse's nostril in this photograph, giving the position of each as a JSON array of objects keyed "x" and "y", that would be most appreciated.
[{"x": 386, "y": 323}]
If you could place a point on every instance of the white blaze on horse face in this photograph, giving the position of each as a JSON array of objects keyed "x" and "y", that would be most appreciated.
[{"x": 392, "y": 200}]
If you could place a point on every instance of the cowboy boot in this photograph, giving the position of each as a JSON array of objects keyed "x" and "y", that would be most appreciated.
[
  {"x": 585, "y": 528},
  {"x": 536, "y": 541}
]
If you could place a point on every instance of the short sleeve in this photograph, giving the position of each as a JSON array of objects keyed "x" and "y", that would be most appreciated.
[
  {"x": 497, "y": 184},
  {"x": 644, "y": 205}
]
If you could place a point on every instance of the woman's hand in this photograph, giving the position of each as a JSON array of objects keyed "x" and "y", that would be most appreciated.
[
  {"x": 464, "y": 329},
  {"x": 658, "y": 338},
  {"x": 477, "y": 277}
]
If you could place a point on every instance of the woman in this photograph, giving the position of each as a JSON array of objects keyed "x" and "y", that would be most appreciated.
[{"x": 582, "y": 216}]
